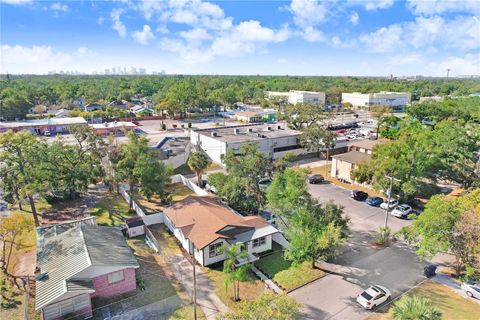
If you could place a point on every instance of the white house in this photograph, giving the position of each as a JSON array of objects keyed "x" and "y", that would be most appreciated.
[
  {"x": 92, "y": 107},
  {"x": 274, "y": 140},
  {"x": 137, "y": 109},
  {"x": 297, "y": 96},
  {"x": 205, "y": 227},
  {"x": 396, "y": 100}
]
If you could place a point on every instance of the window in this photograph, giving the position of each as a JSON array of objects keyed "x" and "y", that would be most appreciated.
[
  {"x": 259, "y": 242},
  {"x": 215, "y": 249},
  {"x": 115, "y": 277}
]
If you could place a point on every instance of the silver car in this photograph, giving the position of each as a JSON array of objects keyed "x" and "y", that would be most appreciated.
[{"x": 471, "y": 289}]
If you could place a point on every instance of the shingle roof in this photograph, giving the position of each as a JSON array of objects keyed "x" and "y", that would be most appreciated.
[
  {"x": 63, "y": 256},
  {"x": 353, "y": 157},
  {"x": 203, "y": 218}
]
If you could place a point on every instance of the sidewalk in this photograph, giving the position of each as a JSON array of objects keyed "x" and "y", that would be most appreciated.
[
  {"x": 452, "y": 284},
  {"x": 266, "y": 280}
]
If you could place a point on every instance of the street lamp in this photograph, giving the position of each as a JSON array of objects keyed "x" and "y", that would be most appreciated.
[{"x": 389, "y": 198}]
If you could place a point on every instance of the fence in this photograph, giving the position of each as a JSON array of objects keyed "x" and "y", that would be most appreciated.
[{"x": 190, "y": 185}]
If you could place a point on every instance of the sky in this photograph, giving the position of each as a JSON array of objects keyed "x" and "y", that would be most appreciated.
[{"x": 297, "y": 37}]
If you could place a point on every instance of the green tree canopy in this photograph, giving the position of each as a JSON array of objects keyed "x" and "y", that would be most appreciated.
[{"x": 415, "y": 308}]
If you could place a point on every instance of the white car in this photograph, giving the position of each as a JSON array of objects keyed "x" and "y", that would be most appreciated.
[
  {"x": 373, "y": 296},
  {"x": 401, "y": 211},
  {"x": 471, "y": 289},
  {"x": 393, "y": 203},
  {"x": 47, "y": 133}
]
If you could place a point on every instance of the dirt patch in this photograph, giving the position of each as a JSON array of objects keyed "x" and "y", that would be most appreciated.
[{"x": 25, "y": 264}]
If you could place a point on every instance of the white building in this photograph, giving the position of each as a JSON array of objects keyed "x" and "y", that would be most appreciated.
[
  {"x": 396, "y": 100},
  {"x": 272, "y": 140},
  {"x": 205, "y": 227},
  {"x": 297, "y": 96}
]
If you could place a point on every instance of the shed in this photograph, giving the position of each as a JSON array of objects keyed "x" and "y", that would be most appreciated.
[{"x": 135, "y": 226}]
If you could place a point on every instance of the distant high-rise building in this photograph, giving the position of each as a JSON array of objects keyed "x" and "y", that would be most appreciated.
[{"x": 142, "y": 71}]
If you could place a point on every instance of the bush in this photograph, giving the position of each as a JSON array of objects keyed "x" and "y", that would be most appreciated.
[
  {"x": 382, "y": 238},
  {"x": 189, "y": 125},
  {"x": 164, "y": 126},
  {"x": 413, "y": 308}
]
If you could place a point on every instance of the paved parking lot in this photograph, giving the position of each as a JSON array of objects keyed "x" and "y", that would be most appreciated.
[{"x": 360, "y": 264}]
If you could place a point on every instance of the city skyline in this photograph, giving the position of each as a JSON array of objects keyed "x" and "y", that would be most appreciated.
[{"x": 298, "y": 37}]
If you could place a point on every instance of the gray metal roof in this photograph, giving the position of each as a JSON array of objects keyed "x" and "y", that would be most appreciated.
[
  {"x": 80, "y": 285},
  {"x": 63, "y": 256},
  {"x": 353, "y": 157}
]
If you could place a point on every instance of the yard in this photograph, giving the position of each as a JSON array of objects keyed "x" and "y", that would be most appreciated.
[
  {"x": 110, "y": 210},
  {"x": 176, "y": 191},
  {"x": 249, "y": 290},
  {"x": 286, "y": 275},
  {"x": 159, "y": 288},
  {"x": 452, "y": 305}
]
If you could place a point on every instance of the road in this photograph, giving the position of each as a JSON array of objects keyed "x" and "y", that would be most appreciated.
[{"x": 359, "y": 265}]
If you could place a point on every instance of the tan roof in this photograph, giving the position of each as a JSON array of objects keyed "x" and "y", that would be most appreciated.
[
  {"x": 353, "y": 157},
  {"x": 202, "y": 219},
  {"x": 367, "y": 143}
]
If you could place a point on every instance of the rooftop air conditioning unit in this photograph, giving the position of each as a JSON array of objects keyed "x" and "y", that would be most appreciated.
[
  {"x": 236, "y": 131},
  {"x": 269, "y": 128},
  {"x": 279, "y": 127},
  {"x": 213, "y": 134},
  {"x": 250, "y": 130}
]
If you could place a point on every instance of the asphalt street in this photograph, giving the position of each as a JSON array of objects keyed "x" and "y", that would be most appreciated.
[{"x": 360, "y": 264}]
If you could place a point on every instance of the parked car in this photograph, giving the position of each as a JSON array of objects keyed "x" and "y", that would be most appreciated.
[
  {"x": 401, "y": 211},
  {"x": 359, "y": 195},
  {"x": 351, "y": 136},
  {"x": 471, "y": 289},
  {"x": 393, "y": 203},
  {"x": 374, "y": 201},
  {"x": 354, "y": 116},
  {"x": 316, "y": 178},
  {"x": 373, "y": 296},
  {"x": 47, "y": 133}
]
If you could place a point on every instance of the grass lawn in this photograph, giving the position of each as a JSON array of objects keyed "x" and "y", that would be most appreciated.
[
  {"x": 167, "y": 241},
  {"x": 185, "y": 312},
  {"x": 284, "y": 273},
  {"x": 178, "y": 191},
  {"x": 111, "y": 210},
  {"x": 452, "y": 305},
  {"x": 348, "y": 186},
  {"x": 249, "y": 290}
]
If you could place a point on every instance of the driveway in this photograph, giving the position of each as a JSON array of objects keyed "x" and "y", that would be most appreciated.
[{"x": 360, "y": 264}]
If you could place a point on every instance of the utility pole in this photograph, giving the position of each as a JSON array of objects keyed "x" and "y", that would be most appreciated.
[
  {"x": 389, "y": 198},
  {"x": 194, "y": 287},
  {"x": 448, "y": 73}
]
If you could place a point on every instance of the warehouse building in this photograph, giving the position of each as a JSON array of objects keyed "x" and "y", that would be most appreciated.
[
  {"x": 396, "y": 100},
  {"x": 297, "y": 96}
]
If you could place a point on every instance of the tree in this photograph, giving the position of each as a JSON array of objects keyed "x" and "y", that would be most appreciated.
[
  {"x": 304, "y": 115},
  {"x": 11, "y": 228},
  {"x": 267, "y": 306},
  {"x": 449, "y": 224},
  {"x": 311, "y": 139},
  {"x": 198, "y": 161},
  {"x": 378, "y": 112},
  {"x": 415, "y": 308},
  {"x": 235, "y": 275},
  {"x": 13, "y": 104},
  {"x": 248, "y": 169},
  {"x": 152, "y": 176},
  {"x": 22, "y": 157}
]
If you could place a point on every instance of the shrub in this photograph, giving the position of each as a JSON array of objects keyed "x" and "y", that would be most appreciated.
[
  {"x": 414, "y": 308},
  {"x": 164, "y": 126},
  {"x": 189, "y": 125},
  {"x": 382, "y": 238}
]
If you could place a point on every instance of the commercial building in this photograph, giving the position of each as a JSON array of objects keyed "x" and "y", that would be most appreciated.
[
  {"x": 252, "y": 116},
  {"x": 297, "y": 96},
  {"x": 43, "y": 126},
  {"x": 358, "y": 152},
  {"x": 205, "y": 227},
  {"x": 272, "y": 140},
  {"x": 115, "y": 128},
  {"x": 396, "y": 100}
]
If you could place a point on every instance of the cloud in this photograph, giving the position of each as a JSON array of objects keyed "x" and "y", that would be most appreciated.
[
  {"x": 433, "y": 32},
  {"x": 57, "y": 6},
  {"x": 307, "y": 15},
  {"x": 354, "y": 18},
  {"x": 16, "y": 2},
  {"x": 117, "y": 23},
  {"x": 466, "y": 65},
  {"x": 378, "y": 4},
  {"x": 197, "y": 34},
  {"x": 82, "y": 51},
  {"x": 144, "y": 36},
  {"x": 403, "y": 59},
  {"x": 433, "y": 7}
]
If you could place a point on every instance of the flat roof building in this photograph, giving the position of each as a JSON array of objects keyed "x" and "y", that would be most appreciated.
[
  {"x": 298, "y": 96},
  {"x": 53, "y": 125},
  {"x": 396, "y": 100},
  {"x": 273, "y": 140}
]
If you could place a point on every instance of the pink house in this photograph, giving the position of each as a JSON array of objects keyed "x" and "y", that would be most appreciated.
[{"x": 84, "y": 262}]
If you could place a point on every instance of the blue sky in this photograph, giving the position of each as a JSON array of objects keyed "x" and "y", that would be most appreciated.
[{"x": 297, "y": 37}]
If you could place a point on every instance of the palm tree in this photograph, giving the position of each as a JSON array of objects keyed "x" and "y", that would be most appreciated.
[
  {"x": 415, "y": 308},
  {"x": 328, "y": 139},
  {"x": 378, "y": 112},
  {"x": 235, "y": 275},
  {"x": 197, "y": 162}
]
